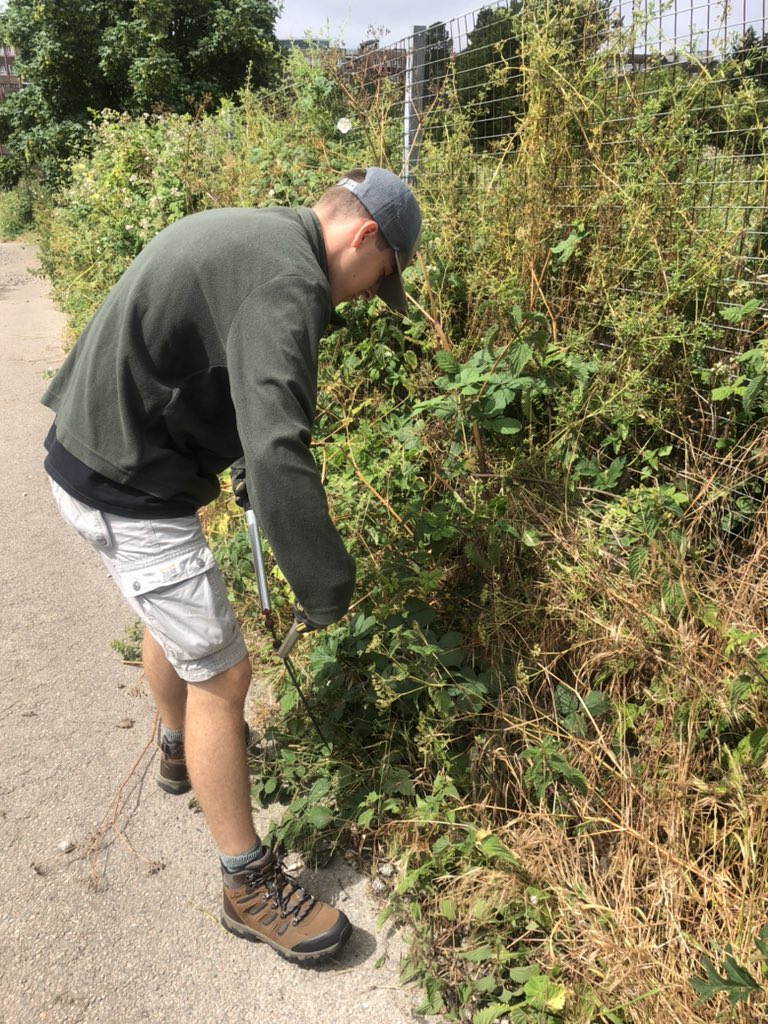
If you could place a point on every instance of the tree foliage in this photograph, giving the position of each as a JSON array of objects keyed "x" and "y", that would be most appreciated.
[
  {"x": 437, "y": 54},
  {"x": 488, "y": 74},
  {"x": 80, "y": 56},
  {"x": 750, "y": 54}
]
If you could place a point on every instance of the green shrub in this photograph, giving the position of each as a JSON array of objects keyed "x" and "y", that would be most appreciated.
[{"x": 16, "y": 211}]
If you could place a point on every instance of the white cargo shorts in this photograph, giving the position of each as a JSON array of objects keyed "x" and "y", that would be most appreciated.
[{"x": 168, "y": 575}]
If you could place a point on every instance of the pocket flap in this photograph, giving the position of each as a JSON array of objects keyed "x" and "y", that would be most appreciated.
[{"x": 175, "y": 569}]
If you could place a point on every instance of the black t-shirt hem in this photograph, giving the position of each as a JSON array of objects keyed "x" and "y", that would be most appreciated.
[{"x": 99, "y": 492}]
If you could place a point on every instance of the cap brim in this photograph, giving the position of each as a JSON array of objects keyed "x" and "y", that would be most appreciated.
[{"x": 391, "y": 290}]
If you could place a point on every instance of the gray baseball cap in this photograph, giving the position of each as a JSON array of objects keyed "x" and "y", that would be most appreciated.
[{"x": 393, "y": 206}]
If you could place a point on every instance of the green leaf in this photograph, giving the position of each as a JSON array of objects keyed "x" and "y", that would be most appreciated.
[
  {"x": 613, "y": 474},
  {"x": 504, "y": 425},
  {"x": 319, "y": 790},
  {"x": 597, "y": 703},
  {"x": 289, "y": 699},
  {"x": 576, "y": 778},
  {"x": 491, "y": 846},
  {"x": 739, "y": 975},
  {"x": 384, "y": 915},
  {"x": 409, "y": 971},
  {"x": 476, "y": 956},
  {"x": 448, "y": 909},
  {"x": 530, "y": 538},
  {"x": 433, "y": 1003},
  {"x": 673, "y": 596},
  {"x": 738, "y": 983},
  {"x": 751, "y": 392},
  {"x": 319, "y": 816},
  {"x": 735, "y": 314},
  {"x": 491, "y": 1013},
  {"x": 566, "y": 700},
  {"x": 521, "y": 974},
  {"x": 447, "y": 362},
  {"x": 440, "y": 845},
  {"x": 544, "y": 994},
  {"x": 636, "y": 561},
  {"x": 754, "y": 747},
  {"x": 727, "y": 390}
]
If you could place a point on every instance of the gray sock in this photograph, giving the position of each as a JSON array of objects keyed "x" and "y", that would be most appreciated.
[
  {"x": 172, "y": 735},
  {"x": 239, "y": 861}
]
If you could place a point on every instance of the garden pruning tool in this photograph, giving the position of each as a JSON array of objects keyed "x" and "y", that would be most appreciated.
[{"x": 297, "y": 629}]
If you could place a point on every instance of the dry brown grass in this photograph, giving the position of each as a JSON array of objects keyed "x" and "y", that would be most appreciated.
[{"x": 663, "y": 860}]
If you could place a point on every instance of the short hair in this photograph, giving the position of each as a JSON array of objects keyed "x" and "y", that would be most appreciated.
[{"x": 339, "y": 203}]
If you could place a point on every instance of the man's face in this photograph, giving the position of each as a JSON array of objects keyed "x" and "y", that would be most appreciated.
[{"x": 363, "y": 267}]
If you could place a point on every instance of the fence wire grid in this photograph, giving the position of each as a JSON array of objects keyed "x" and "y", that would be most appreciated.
[
  {"x": 477, "y": 61},
  {"x": 637, "y": 57}
]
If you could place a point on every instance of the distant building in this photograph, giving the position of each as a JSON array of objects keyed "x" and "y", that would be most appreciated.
[
  {"x": 370, "y": 64},
  {"x": 304, "y": 44},
  {"x": 9, "y": 81}
]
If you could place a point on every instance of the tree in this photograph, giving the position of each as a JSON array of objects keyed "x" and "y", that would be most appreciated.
[
  {"x": 749, "y": 54},
  {"x": 488, "y": 74},
  {"x": 80, "y": 56},
  {"x": 438, "y": 47}
]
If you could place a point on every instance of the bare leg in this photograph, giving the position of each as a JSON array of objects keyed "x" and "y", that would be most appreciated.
[
  {"x": 214, "y": 744},
  {"x": 168, "y": 689},
  {"x": 211, "y": 715}
]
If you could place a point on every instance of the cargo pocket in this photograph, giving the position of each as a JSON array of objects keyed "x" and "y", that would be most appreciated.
[
  {"x": 87, "y": 522},
  {"x": 185, "y": 605},
  {"x": 173, "y": 569}
]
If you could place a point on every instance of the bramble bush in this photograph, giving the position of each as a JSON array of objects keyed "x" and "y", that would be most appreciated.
[{"x": 548, "y": 702}]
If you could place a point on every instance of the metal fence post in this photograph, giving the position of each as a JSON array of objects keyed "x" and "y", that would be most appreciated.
[{"x": 414, "y": 101}]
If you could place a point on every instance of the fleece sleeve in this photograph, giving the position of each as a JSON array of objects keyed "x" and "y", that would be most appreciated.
[{"x": 272, "y": 359}]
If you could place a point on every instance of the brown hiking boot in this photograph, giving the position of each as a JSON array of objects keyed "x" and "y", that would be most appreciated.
[
  {"x": 173, "y": 776},
  {"x": 264, "y": 904}
]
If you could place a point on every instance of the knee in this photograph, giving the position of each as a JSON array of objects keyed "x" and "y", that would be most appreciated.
[
  {"x": 230, "y": 687},
  {"x": 241, "y": 678}
]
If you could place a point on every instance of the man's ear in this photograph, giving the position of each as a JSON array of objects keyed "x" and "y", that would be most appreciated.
[{"x": 363, "y": 230}]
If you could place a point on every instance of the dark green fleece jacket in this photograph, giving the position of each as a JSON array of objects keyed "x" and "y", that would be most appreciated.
[{"x": 204, "y": 351}]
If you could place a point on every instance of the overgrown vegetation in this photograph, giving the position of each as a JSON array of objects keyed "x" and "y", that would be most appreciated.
[
  {"x": 548, "y": 704},
  {"x": 81, "y": 56}
]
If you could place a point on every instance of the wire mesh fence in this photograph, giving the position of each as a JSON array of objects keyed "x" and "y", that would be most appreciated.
[
  {"x": 477, "y": 64},
  {"x": 635, "y": 137}
]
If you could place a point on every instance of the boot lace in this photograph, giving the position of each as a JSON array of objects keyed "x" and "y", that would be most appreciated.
[{"x": 284, "y": 891}]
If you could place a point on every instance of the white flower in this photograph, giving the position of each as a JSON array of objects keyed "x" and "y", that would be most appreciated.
[{"x": 343, "y": 125}]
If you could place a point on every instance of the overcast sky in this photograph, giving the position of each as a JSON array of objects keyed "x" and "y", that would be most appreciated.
[
  {"x": 343, "y": 21},
  {"x": 348, "y": 22}
]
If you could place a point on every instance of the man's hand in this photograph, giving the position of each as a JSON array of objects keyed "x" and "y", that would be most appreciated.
[
  {"x": 239, "y": 490},
  {"x": 302, "y": 622}
]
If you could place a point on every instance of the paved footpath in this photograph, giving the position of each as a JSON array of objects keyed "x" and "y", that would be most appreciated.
[{"x": 96, "y": 934}]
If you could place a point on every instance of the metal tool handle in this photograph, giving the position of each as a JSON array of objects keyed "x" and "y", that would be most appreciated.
[
  {"x": 258, "y": 560},
  {"x": 289, "y": 643}
]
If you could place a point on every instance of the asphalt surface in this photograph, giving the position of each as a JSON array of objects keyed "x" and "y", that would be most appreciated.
[{"x": 110, "y": 888}]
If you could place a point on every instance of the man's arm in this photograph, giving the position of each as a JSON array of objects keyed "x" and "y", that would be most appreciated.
[{"x": 272, "y": 360}]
